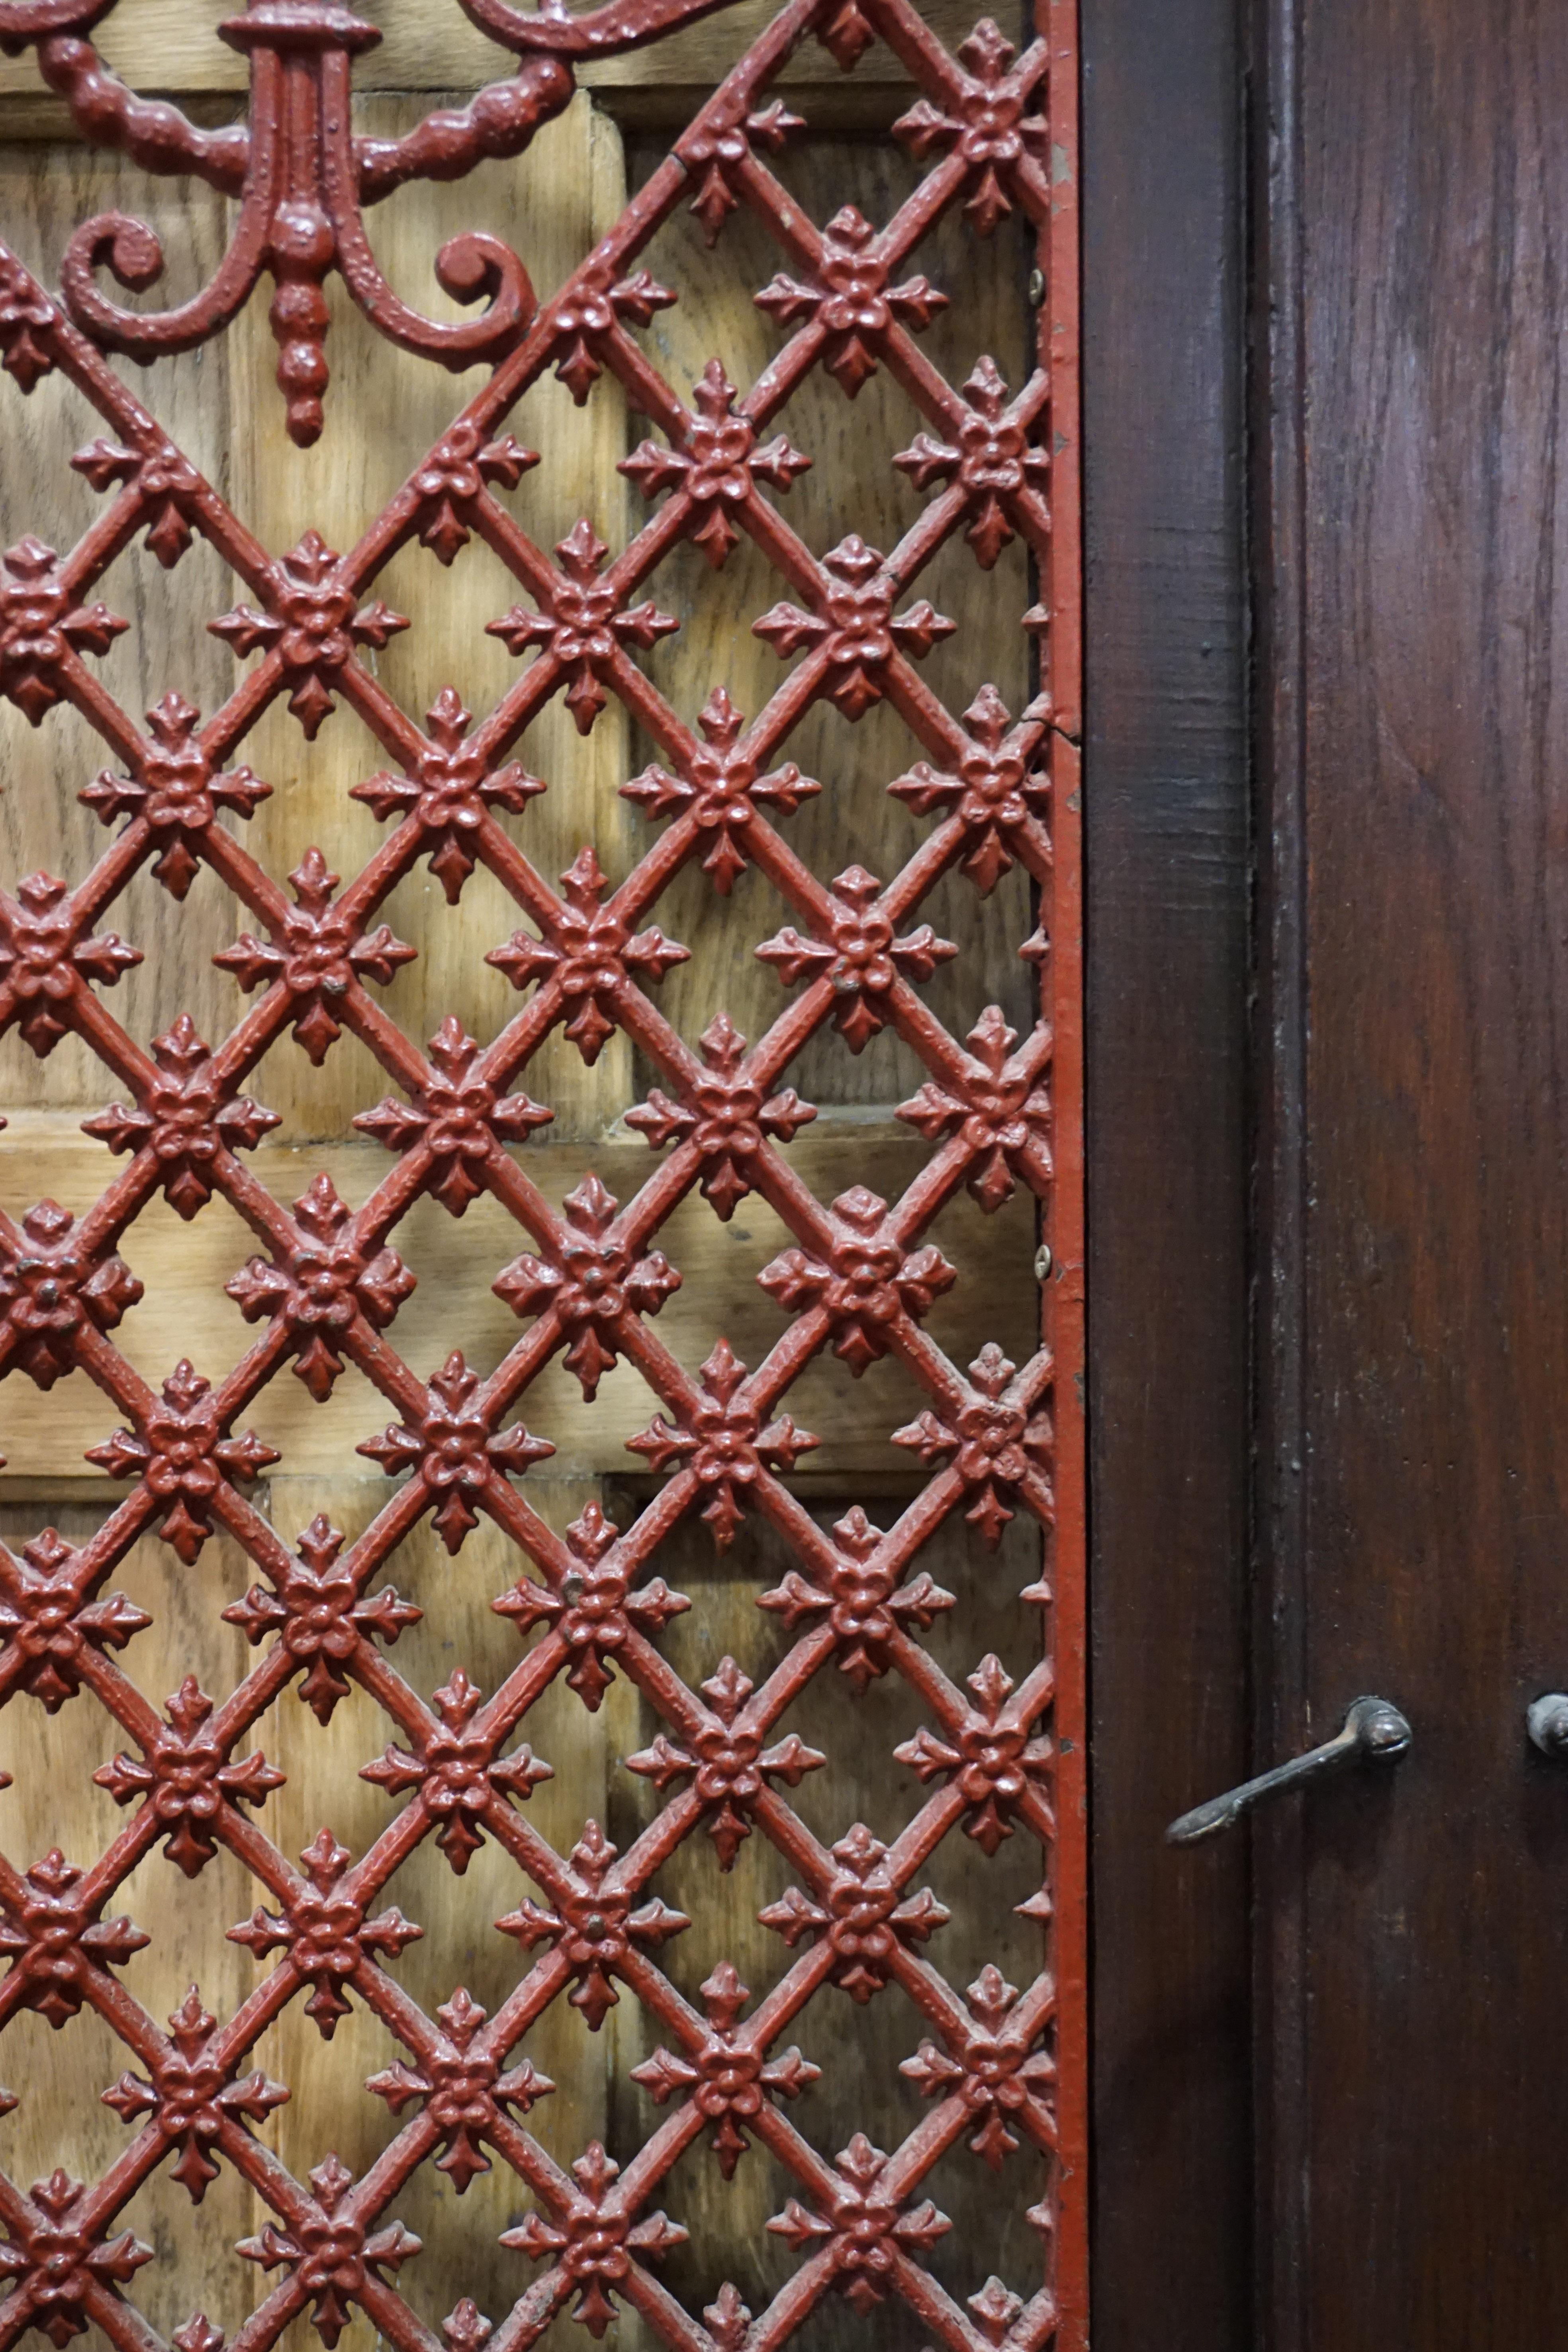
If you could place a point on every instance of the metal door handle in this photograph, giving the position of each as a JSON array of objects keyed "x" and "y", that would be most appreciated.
[
  {"x": 1375, "y": 1731},
  {"x": 1547, "y": 1720}
]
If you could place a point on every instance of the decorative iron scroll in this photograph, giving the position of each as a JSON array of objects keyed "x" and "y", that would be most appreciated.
[{"x": 999, "y": 2066}]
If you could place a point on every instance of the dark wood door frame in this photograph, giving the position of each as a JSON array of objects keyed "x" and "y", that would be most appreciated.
[
  {"x": 1168, "y": 830},
  {"x": 1280, "y": 1682},
  {"x": 1324, "y": 770}
]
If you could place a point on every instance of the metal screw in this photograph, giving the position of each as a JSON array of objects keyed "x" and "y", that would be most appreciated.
[
  {"x": 1547, "y": 1720},
  {"x": 1043, "y": 1261},
  {"x": 1037, "y": 287}
]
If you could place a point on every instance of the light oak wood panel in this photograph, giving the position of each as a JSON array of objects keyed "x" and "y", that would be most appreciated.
[
  {"x": 852, "y": 485},
  {"x": 58, "y": 2076},
  {"x": 386, "y": 408},
  {"x": 171, "y": 45},
  {"x": 460, "y": 1945},
  {"x": 43, "y": 194},
  {"x": 858, "y": 2048},
  {"x": 186, "y": 1312}
]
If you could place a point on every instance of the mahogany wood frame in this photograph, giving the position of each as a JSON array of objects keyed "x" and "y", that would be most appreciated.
[{"x": 1168, "y": 827}]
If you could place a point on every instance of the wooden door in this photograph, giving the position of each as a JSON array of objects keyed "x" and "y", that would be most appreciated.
[
  {"x": 1419, "y": 1310},
  {"x": 592, "y": 908},
  {"x": 1323, "y": 334}
]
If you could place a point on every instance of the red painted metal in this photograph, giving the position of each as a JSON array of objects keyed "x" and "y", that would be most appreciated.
[{"x": 997, "y": 132}]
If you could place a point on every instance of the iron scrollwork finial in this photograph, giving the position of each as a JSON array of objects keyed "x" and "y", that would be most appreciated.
[{"x": 303, "y": 179}]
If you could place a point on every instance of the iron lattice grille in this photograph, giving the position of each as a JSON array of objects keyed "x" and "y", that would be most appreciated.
[{"x": 999, "y": 2065}]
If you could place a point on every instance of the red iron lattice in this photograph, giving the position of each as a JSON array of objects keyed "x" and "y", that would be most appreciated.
[{"x": 999, "y": 2066}]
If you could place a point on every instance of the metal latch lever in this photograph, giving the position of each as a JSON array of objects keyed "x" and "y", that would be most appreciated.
[{"x": 1375, "y": 1732}]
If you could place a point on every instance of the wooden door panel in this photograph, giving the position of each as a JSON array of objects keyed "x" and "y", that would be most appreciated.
[
  {"x": 51, "y": 1758},
  {"x": 1416, "y": 1507},
  {"x": 608, "y": 1710},
  {"x": 187, "y": 1308}
]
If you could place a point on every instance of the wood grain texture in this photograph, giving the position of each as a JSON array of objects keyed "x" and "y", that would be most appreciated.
[
  {"x": 44, "y": 195},
  {"x": 552, "y": 205},
  {"x": 460, "y": 1945},
  {"x": 1165, "y": 811},
  {"x": 58, "y": 2077},
  {"x": 853, "y": 820},
  {"x": 555, "y": 202},
  {"x": 185, "y": 1312},
  {"x": 858, "y": 2048},
  {"x": 171, "y": 45},
  {"x": 1435, "y": 803}
]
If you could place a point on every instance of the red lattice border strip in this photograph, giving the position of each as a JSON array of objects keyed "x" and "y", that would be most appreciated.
[{"x": 1000, "y": 133}]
